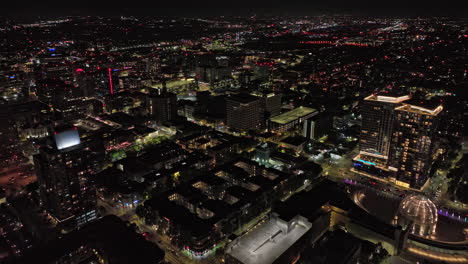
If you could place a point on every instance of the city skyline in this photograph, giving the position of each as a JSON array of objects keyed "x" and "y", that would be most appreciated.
[{"x": 243, "y": 138}]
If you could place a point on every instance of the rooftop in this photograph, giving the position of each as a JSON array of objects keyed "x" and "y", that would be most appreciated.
[
  {"x": 266, "y": 242},
  {"x": 242, "y": 98},
  {"x": 325, "y": 251},
  {"x": 432, "y": 103},
  {"x": 292, "y": 115},
  {"x": 388, "y": 97},
  {"x": 422, "y": 107}
]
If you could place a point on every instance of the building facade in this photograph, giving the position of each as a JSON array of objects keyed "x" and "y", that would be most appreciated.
[
  {"x": 63, "y": 170},
  {"x": 378, "y": 116},
  {"x": 398, "y": 139},
  {"x": 414, "y": 146},
  {"x": 162, "y": 107},
  {"x": 244, "y": 112}
]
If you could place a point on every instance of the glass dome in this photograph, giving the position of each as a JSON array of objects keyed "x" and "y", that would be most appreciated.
[{"x": 419, "y": 213}]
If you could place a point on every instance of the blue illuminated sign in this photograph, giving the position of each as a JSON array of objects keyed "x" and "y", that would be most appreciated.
[
  {"x": 51, "y": 49},
  {"x": 367, "y": 162}
]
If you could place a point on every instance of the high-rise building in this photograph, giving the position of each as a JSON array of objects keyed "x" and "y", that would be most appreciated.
[
  {"x": 244, "y": 112},
  {"x": 271, "y": 102},
  {"x": 414, "y": 146},
  {"x": 212, "y": 68},
  {"x": 398, "y": 139},
  {"x": 63, "y": 169},
  {"x": 84, "y": 82},
  {"x": 378, "y": 115},
  {"x": 162, "y": 106},
  {"x": 107, "y": 81}
]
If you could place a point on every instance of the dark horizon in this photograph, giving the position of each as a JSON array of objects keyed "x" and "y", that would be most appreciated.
[{"x": 239, "y": 8}]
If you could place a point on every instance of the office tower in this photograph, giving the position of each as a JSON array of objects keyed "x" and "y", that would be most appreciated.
[
  {"x": 378, "y": 114},
  {"x": 162, "y": 105},
  {"x": 50, "y": 91},
  {"x": 153, "y": 66},
  {"x": 107, "y": 81},
  {"x": 84, "y": 82},
  {"x": 63, "y": 169},
  {"x": 67, "y": 101},
  {"x": 212, "y": 68},
  {"x": 271, "y": 102},
  {"x": 52, "y": 65},
  {"x": 413, "y": 148},
  {"x": 244, "y": 112},
  {"x": 212, "y": 74},
  {"x": 74, "y": 108}
]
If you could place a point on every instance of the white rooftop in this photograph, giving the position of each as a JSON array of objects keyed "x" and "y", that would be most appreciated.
[{"x": 265, "y": 243}]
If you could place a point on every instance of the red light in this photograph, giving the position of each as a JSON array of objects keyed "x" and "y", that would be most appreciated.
[
  {"x": 111, "y": 85},
  {"x": 79, "y": 70}
]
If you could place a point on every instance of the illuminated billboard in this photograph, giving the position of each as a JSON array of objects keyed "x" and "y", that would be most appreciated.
[{"x": 67, "y": 138}]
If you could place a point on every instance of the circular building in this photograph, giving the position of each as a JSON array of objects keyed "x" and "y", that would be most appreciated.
[{"x": 419, "y": 214}]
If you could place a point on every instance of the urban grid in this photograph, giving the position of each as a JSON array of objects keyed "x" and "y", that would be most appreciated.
[{"x": 240, "y": 139}]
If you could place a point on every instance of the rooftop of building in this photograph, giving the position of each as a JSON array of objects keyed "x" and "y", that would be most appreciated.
[
  {"x": 310, "y": 167},
  {"x": 292, "y": 115},
  {"x": 333, "y": 247},
  {"x": 266, "y": 242},
  {"x": 198, "y": 196},
  {"x": 432, "y": 103},
  {"x": 264, "y": 93},
  {"x": 242, "y": 98},
  {"x": 124, "y": 119},
  {"x": 210, "y": 180},
  {"x": 388, "y": 97},
  {"x": 180, "y": 216},
  {"x": 161, "y": 152},
  {"x": 424, "y": 107},
  {"x": 306, "y": 203},
  {"x": 288, "y": 159},
  {"x": 115, "y": 184},
  {"x": 294, "y": 140}
]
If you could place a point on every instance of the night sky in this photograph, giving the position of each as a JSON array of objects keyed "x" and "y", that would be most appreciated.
[{"x": 237, "y": 7}]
